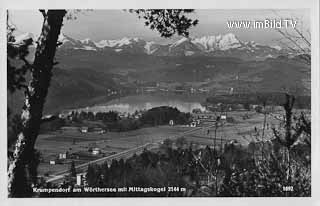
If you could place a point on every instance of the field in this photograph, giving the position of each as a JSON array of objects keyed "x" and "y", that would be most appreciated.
[
  {"x": 77, "y": 144},
  {"x": 241, "y": 130}
]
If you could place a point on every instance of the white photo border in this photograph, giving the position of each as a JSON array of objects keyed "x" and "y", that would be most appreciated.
[{"x": 313, "y": 5}]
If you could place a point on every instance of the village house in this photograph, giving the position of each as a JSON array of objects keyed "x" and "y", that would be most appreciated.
[
  {"x": 80, "y": 179},
  {"x": 62, "y": 156},
  {"x": 253, "y": 106},
  {"x": 84, "y": 129},
  {"x": 193, "y": 124},
  {"x": 223, "y": 117},
  {"x": 95, "y": 151}
]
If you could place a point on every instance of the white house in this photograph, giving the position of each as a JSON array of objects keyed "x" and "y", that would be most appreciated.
[
  {"x": 79, "y": 179},
  {"x": 223, "y": 117},
  {"x": 193, "y": 124},
  {"x": 95, "y": 151},
  {"x": 84, "y": 129},
  {"x": 62, "y": 156},
  {"x": 231, "y": 91}
]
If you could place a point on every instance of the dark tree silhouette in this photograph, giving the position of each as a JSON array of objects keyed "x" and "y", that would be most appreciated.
[
  {"x": 291, "y": 134},
  {"x": 167, "y": 21},
  {"x": 73, "y": 172},
  {"x": 35, "y": 95}
]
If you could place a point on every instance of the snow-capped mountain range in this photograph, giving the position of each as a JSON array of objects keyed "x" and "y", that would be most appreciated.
[{"x": 221, "y": 45}]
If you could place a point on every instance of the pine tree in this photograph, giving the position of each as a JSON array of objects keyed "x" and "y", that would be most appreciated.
[
  {"x": 92, "y": 175},
  {"x": 73, "y": 172}
]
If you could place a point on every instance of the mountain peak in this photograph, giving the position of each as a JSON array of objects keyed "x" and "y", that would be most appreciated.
[
  {"x": 219, "y": 42},
  {"x": 229, "y": 41},
  {"x": 230, "y": 35},
  {"x": 86, "y": 41},
  {"x": 118, "y": 42},
  {"x": 223, "y": 44}
]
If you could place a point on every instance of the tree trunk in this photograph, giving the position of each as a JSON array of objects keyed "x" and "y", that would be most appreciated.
[{"x": 35, "y": 95}]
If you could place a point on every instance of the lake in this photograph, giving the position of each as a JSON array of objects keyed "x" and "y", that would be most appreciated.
[{"x": 130, "y": 104}]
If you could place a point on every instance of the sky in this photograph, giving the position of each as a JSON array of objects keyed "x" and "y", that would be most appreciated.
[{"x": 115, "y": 24}]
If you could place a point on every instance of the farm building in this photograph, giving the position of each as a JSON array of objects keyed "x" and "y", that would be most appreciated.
[
  {"x": 95, "y": 151},
  {"x": 253, "y": 106},
  {"x": 84, "y": 129},
  {"x": 81, "y": 179},
  {"x": 193, "y": 124},
  {"x": 223, "y": 117},
  {"x": 62, "y": 155}
]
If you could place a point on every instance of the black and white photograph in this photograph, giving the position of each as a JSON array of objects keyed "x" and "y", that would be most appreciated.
[{"x": 158, "y": 103}]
